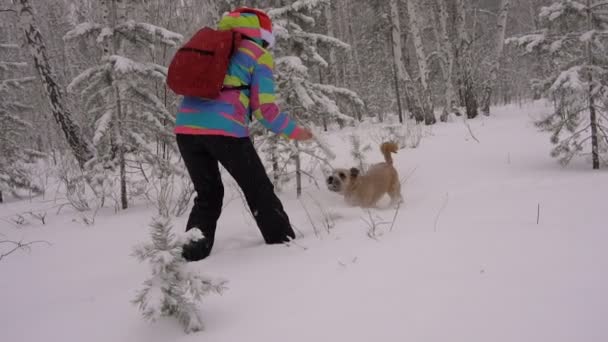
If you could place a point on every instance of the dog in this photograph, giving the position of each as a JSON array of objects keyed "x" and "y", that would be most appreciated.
[{"x": 365, "y": 190}]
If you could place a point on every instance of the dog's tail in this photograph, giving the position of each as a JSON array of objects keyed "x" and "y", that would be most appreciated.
[{"x": 387, "y": 148}]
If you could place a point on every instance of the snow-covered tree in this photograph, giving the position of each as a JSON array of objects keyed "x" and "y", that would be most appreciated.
[
  {"x": 464, "y": 59},
  {"x": 14, "y": 154},
  {"x": 574, "y": 37},
  {"x": 445, "y": 52},
  {"x": 172, "y": 290},
  {"x": 501, "y": 27},
  {"x": 56, "y": 98},
  {"x": 116, "y": 94},
  {"x": 421, "y": 57},
  {"x": 297, "y": 53}
]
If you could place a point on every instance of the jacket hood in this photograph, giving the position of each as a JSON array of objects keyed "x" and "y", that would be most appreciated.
[{"x": 249, "y": 24}]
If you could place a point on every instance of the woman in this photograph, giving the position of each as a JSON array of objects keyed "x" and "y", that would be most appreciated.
[{"x": 209, "y": 132}]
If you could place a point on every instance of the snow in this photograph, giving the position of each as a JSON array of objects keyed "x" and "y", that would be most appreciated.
[
  {"x": 295, "y": 6},
  {"x": 529, "y": 41},
  {"x": 465, "y": 261},
  {"x": 149, "y": 30},
  {"x": 569, "y": 79},
  {"x": 8, "y": 46},
  {"x": 82, "y": 29},
  {"x": 102, "y": 125},
  {"x": 587, "y": 36}
]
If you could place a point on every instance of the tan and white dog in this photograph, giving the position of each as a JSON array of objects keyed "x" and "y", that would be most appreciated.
[{"x": 365, "y": 190}]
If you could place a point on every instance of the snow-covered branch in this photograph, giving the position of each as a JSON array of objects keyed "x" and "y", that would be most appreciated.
[
  {"x": 83, "y": 30},
  {"x": 296, "y": 6}
]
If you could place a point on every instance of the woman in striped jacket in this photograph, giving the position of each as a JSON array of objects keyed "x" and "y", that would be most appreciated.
[{"x": 215, "y": 131}]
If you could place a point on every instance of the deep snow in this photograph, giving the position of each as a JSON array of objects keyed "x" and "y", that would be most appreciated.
[{"x": 465, "y": 261}]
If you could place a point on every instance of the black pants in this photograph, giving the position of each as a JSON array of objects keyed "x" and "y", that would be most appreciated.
[{"x": 201, "y": 154}]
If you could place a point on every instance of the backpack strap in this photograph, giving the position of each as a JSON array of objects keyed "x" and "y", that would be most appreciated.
[{"x": 243, "y": 87}]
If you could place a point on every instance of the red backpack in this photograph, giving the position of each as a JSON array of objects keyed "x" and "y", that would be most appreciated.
[{"x": 199, "y": 67}]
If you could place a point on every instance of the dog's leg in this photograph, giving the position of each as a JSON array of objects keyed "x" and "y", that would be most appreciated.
[{"x": 395, "y": 194}]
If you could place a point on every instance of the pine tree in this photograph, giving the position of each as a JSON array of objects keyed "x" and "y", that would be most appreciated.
[
  {"x": 573, "y": 36},
  {"x": 117, "y": 95},
  {"x": 13, "y": 135},
  {"x": 172, "y": 290},
  {"x": 298, "y": 52}
]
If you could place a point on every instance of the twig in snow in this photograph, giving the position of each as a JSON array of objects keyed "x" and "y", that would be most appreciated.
[
  {"x": 538, "y": 213},
  {"x": 17, "y": 245},
  {"x": 405, "y": 179},
  {"x": 39, "y": 216},
  {"x": 328, "y": 221},
  {"x": 312, "y": 223},
  {"x": 19, "y": 220},
  {"x": 395, "y": 217},
  {"x": 373, "y": 226},
  {"x": 445, "y": 203},
  {"x": 466, "y": 123}
]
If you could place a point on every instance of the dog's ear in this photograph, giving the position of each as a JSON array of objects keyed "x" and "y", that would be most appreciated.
[{"x": 354, "y": 172}]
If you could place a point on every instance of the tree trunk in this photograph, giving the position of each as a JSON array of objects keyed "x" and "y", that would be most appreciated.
[
  {"x": 425, "y": 98},
  {"x": 397, "y": 92},
  {"x": 331, "y": 72},
  {"x": 445, "y": 48},
  {"x": 354, "y": 52},
  {"x": 298, "y": 171},
  {"x": 466, "y": 89},
  {"x": 1, "y": 197},
  {"x": 402, "y": 76},
  {"x": 592, "y": 110},
  {"x": 500, "y": 44},
  {"x": 81, "y": 148},
  {"x": 595, "y": 155}
]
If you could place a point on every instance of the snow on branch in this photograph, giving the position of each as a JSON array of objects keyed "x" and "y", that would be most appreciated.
[
  {"x": 559, "y": 9},
  {"x": 569, "y": 79},
  {"x": 13, "y": 107},
  {"x": 12, "y": 65},
  {"x": 305, "y": 18},
  {"x": 307, "y": 102},
  {"x": 122, "y": 66},
  {"x": 347, "y": 93},
  {"x": 291, "y": 64},
  {"x": 86, "y": 76},
  {"x": 529, "y": 41},
  {"x": 599, "y": 4},
  {"x": 149, "y": 33},
  {"x": 9, "y": 46},
  {"x": 296, "y": 6},
  {"x": 329, "y": 107},
  {"x": 101, "y": 126},
  {"x": 321, "y": 38},
  {"x": 14, "y": 83},
  {"x": 82, "y": 30}
]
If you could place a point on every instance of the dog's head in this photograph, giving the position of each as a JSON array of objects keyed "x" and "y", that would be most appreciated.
[{"x": 342, "y": 179}]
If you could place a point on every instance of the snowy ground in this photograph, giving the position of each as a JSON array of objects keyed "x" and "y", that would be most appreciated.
[{"x": 465, "y": 261}]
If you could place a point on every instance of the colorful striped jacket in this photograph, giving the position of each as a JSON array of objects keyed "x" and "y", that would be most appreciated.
[{"x": 229, "y": 115}]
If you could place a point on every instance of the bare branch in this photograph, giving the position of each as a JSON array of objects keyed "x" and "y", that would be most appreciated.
[
  {"x": 445, "y": 203},
  {"x": 17, "y": 245},
  {"x": 466, "y": 123}
]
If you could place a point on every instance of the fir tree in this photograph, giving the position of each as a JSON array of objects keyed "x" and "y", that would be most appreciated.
[
  {"x": 574, "y": 38},
  {"x": 118, "y": 97},
  {"x": 172, "y": 290},
  {"x": 308, "y": 102},
  {"x": 14, "y": 173}
]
